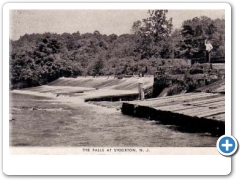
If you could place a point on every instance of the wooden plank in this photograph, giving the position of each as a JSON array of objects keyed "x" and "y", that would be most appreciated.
[
  {"x": 171, "y": 97},
  {"x": 210, "y": 105},
  {"x": 208, "y": 112},
  {"x": 185, "y": 99},
  {"x": 182, "y": 107},
  {"x": 179, "y": 99},
  {"x": 214, "y": 104},
  {"x": 192, "y": 111},
  {"x": 206, "y": 101},
  {"x": 173, "y": 107}
]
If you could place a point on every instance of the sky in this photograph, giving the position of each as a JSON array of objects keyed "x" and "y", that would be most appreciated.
[{"x": 105, "y": 21}]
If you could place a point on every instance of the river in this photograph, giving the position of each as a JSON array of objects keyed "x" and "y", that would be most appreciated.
[{"x": 47, "y": 122}]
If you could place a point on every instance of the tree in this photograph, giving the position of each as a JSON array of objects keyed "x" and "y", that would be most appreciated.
[
  {"x": 97, "y": 68},
  {"x": 152, "y": 33},
  {"x": 37, "y": 59},
  {"x": 136, "y": 27},
  {"x": 196, "y": 30},
  {"x": 174, "y": 44}
]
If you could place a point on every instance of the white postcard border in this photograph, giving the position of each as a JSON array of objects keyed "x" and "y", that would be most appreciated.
[{"x": 110, "y": 164}]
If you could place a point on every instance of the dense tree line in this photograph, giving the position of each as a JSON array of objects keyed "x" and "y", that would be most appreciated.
[{"x": 37, "y": 59}]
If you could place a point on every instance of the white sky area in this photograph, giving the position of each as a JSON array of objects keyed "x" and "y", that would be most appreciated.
[{"x": 105, "y": 21}]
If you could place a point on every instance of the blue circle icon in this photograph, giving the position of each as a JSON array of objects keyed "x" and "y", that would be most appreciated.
[{"x": 227, "y": 145}]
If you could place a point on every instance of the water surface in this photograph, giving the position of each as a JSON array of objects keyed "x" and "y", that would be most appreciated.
[{"x": 42, "y": 121}]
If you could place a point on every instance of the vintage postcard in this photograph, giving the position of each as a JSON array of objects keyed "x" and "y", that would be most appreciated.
[{"x": 107, "y": 79}]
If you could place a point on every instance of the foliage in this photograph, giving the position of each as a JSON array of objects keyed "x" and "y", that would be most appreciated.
[
  {"x": 194, "y": 33},
  {"x": 37, "y": 59},
  {"x": 151, "y": 34}
]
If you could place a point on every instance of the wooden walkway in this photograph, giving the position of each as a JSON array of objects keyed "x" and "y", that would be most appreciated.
[{"x": 193, "y": 111}]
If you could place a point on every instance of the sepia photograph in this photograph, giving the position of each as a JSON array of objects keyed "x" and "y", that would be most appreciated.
[{"x": 131, "y": 78}]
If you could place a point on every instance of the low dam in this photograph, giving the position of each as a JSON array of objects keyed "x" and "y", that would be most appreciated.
[{"x": 95, "y": 88}]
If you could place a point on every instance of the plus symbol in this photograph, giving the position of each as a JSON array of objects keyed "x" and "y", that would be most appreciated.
[{"x": 227, "y": 145}]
